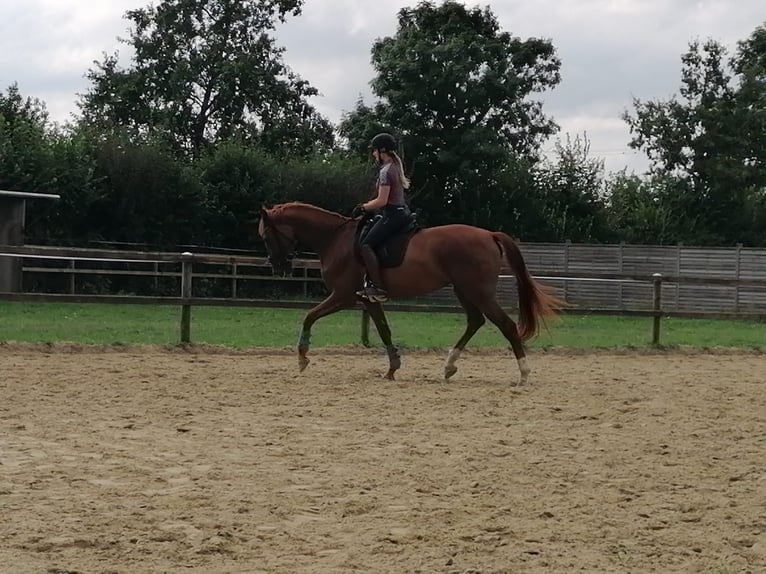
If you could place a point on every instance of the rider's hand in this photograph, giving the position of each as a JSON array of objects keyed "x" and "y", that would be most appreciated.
[{"x": 358, "y": 210}]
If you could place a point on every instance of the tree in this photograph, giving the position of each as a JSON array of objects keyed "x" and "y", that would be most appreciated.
[
  {"x": 750, "y": 67},
  {"x": 24, "y": 145},
  {"x": 239, "y": 180},
  {"x": 151, "y": 197},
  {"x": 712, "y": 139},
  {"x": 569, "y": 192},
  {"x": 645, "y": 211},
  {"x": 205, "y": 71},
  {"x": 72, "y": 172},
  {"x": 455, "y": 88}
]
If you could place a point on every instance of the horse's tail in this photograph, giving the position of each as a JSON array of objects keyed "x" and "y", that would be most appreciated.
[{"x": 535, "y": 300}]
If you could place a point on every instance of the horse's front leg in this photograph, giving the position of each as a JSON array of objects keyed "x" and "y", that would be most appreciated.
[
  {"x": 381, "y": 324},
  {"x": 331, "y": 305}
]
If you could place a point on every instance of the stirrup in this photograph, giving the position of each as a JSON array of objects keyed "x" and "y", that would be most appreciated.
[{"x": 373, "y": 293}]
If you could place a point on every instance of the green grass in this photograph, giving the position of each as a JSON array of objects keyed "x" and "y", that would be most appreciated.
[{"x": 245, "y": 327}]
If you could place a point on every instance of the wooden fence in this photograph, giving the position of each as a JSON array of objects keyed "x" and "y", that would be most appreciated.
[
  {"x": 600, "y": 279},
  {"x": 719, "y": 281},
  {"x": 715, "y": 280}
]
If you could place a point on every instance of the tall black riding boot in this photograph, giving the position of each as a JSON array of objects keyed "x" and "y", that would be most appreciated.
[{"x": 373, "y": 290}]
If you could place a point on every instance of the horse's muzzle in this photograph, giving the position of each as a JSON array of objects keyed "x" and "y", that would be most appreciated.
[{"x": 281, "y": 268}]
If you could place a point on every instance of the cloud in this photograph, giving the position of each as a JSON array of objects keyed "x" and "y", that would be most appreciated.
[
  {"x": 611, "y": 51},
  {"x": 54, "y": 43}
]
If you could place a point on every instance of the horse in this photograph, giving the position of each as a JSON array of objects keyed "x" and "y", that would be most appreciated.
[{"x": 467, "y": 257}]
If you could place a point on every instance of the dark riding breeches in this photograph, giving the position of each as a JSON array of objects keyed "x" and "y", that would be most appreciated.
[{"x": 394, "y": 219}]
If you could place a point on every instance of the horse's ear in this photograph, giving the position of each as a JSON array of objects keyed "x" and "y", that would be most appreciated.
[{"x": 264, "y": 213}]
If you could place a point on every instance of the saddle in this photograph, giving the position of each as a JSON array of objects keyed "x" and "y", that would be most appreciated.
[{"x": 391, "y": 252}]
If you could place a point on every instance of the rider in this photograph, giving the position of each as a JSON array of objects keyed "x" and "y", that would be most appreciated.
[{"x": 390, "y": 202}]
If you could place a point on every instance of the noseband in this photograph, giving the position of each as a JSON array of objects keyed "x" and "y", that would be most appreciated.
[{"x": 283, "y": 239}]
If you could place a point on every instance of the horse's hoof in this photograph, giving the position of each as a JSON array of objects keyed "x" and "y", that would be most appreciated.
[
  {"x": 394, "y": 359},
  {"x": 449, "y": 371},
  {"x": 303, "y": 362},
  {"x": 390, "y": 374}
]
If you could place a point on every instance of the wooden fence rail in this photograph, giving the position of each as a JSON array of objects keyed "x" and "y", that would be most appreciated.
[{"x": 648, "y": 290}]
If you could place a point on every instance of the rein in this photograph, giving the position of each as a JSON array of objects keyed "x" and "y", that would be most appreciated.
[{"x": 285, "y": 239}]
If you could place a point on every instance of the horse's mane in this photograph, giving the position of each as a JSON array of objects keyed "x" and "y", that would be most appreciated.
[{"x": 285, "y": 208}]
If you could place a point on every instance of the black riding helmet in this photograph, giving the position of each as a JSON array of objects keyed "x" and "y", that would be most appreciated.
[{"x": 383, "y": 142}]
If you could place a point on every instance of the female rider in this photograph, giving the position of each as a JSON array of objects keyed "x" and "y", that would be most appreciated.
[{"x": 390, "y": 203}]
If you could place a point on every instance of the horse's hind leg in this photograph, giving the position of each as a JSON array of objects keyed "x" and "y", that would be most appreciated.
[
  {"x": 495, "y": 313},
  {"x": 475, "y": 319},
  {"x": 381, "y": 324}
]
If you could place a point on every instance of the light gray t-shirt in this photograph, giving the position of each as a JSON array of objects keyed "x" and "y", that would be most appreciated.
[{"x": 389, "y": 175}]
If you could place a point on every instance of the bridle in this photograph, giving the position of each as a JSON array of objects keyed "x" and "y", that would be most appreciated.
[{"x": 287, "y": 245}]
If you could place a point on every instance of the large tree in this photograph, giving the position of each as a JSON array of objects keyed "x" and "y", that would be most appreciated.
[
  {"x": 645, "y": 210},
  {"x": 457, "y": 89},
  {"x": 24, "y": 142},
  {"x": 569, "y": 194},
  {"x": 711, "y": 139},
  {"x": 750, "y": 68},
  {"x": 205, "y": 71}
]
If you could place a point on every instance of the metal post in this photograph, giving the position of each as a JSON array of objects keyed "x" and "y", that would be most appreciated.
[
  {"x": 657, "y": 280},
  {"x": 365, "y": 328},
  {"x": 186, "y": 293}
]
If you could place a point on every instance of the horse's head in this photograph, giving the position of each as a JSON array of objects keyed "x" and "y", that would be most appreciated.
[{"x": 280, "y": 243}]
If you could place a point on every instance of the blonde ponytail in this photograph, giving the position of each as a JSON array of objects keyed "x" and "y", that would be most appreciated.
[{"x": 404, "y": 179}]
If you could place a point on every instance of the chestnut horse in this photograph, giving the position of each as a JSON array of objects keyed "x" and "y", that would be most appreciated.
[{"x": 469, "y": 258}]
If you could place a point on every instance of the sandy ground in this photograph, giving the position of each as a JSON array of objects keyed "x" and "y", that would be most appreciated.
[{"x": 150, "y": 460}]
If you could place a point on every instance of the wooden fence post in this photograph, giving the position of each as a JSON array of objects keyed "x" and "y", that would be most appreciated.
[
  {"x": 657, "y": 280},
  {"x": 186, "y": 293},
  {"x": 72, "y": 281},
  {"x": 679, "y": 271},
  {"x": 738, "y": 277},
  {"x": 567, "y": 245},
  {"x": 621, "y": 271},
  {"x": 365, "y": 328}
]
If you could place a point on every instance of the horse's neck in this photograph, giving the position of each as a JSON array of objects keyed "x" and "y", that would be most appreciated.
[{"x": 314, "y": 228}]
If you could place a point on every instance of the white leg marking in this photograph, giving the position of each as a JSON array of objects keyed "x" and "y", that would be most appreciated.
[
  {"x": 449, "y": 367},
  {"x": 452, "y": 356},
  {"x": 525, "y": 370}
]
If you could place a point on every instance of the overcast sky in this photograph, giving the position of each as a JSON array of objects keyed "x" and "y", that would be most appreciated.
[{"x": 611, "y": 51}]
